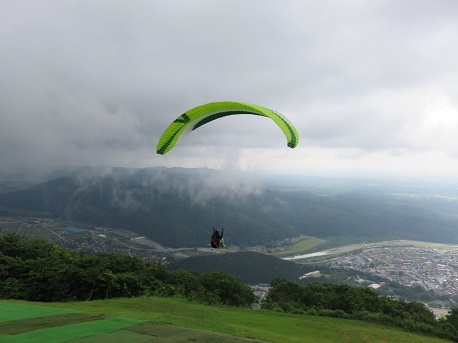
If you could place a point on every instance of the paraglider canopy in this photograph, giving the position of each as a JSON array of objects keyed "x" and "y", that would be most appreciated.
[{"x": 203, "y": 114}]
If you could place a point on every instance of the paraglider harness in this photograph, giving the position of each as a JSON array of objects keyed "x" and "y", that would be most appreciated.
[{"x": 217, "y": 240}]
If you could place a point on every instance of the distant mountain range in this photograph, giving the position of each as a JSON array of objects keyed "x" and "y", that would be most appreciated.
[{"x": 178, "y": 207}]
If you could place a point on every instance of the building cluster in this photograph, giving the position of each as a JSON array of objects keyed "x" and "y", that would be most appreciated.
[
  {"x": 432, "y": 269},
  {"x": 260, "y": 291},
  {"x": 92, "y": 240}
]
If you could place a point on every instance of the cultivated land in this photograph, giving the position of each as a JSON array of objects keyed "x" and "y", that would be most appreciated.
[
  {"x": 299, "y": 245},
  {"x": 176, "y": 320}
]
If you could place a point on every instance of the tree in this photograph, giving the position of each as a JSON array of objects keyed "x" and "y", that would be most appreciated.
[
  {"x": 452, "y": 317},
  {"x": 229, "y": 289}
]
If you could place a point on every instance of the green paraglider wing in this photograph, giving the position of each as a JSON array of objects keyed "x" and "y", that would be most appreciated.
[{"x": 204, "y": 114}]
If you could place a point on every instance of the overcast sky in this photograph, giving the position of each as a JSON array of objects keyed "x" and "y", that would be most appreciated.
[{"x": 371, "y": 85}]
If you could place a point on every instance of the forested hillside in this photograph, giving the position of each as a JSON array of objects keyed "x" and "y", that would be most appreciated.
[
  {"x": 178, "y": 207},
  {"x": 37, "y": 270},
  {"x": 251, "y": 267}
]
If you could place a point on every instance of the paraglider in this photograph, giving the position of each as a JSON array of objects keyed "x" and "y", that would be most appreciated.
[
  {"x": 217, "y": 240},
  {"x": 203, "y": 114}
]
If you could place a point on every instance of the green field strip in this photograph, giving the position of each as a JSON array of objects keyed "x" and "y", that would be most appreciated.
[
  {"x": 72, "y": 331},
  {"x": 200, "y": 323},
  {"x": 29, "y": 324},
  {"x": 176, "y": 334},
  {"x": 120, "y": 336},
  {"x": 10, "y": 311}
]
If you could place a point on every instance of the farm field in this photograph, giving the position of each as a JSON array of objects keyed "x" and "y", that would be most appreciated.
[
  {"x": 300, "y": 245},
  {"x": 176, "y": 320}
]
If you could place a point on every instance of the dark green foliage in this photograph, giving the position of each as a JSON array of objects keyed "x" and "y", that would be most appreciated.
[
  {"x": 42, "y": 271},
  {"x": 452, "y": 318},
  {"x": 343, "y": 301},
  {"x": 209, "y": 288},
  {"x": 38, "y": 270},
  {"x": 251, "y": 267},
  {"x": 231, "y": 290}
]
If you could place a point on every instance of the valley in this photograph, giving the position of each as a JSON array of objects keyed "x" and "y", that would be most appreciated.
[{"x": 432, "y": 266}]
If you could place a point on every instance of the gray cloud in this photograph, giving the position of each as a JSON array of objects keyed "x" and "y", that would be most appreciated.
[{"x": 97, "y": 82}]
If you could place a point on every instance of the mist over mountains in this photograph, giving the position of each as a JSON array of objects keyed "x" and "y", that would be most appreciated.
[{"x": 178, "y": 207}]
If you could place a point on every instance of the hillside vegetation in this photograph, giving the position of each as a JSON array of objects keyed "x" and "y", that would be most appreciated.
[
  {"x": 251, "y": 267},
  {"x": 37, "y": 270}
]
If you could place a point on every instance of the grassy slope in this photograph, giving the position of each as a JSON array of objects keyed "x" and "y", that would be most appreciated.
[
  {"x": 300, "y": 246},
  {"x": 261, "y": 325}
]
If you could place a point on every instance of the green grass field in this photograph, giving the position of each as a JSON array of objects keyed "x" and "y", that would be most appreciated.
[
  {"x": 176, "y": 320},
  {"x": 15, "y": 311},
  {"x": 300, "y": 246},
  {"x": 23, "y": 322}
]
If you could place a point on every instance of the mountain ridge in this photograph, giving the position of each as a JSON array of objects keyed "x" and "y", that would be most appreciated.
[{"x": 178, "y": 207}]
